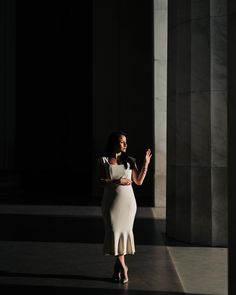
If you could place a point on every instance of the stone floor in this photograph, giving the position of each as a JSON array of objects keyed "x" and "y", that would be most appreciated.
[{"x": 59, "y": 248}]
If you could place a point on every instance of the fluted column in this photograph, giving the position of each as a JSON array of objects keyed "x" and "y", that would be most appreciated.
[{"x": 196, "y": 122}]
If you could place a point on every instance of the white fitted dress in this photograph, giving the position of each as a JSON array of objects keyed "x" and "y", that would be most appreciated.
[{"x": 118, "y": 209}]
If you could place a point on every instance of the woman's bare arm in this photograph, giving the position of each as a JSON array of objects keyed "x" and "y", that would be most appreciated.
[{"x": 139, "y": 176}]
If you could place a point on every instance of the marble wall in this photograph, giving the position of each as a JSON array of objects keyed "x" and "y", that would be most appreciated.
[{"x": 197, "y": 122}]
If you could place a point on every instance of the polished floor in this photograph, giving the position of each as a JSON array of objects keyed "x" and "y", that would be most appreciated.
[{"x": 59, "y": 248}]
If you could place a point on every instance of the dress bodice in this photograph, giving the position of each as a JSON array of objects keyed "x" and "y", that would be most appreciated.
[{"x": 117, "y": 170}]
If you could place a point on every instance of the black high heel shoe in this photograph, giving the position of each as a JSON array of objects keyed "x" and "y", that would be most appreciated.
[
  {"x": 116, "y": 277},
  {"x": 124, "y": 275}
]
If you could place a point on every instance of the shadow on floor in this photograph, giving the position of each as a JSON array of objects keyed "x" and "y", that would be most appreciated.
[
  {"x": 86, "y": 291},
  {"x": 54, "y": 276}
]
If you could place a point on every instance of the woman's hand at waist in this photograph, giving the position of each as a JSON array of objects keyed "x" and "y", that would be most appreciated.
[{"x": 124, "y": 181}]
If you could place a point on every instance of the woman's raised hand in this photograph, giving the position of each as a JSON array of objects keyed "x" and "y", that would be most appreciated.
[{"x": 148, "y": 156}]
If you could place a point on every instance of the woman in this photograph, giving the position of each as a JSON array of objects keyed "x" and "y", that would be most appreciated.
[{"x": 116, "y": 173}]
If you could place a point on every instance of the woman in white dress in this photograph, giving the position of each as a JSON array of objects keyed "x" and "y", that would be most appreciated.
[{"x": 116, "y": 173}]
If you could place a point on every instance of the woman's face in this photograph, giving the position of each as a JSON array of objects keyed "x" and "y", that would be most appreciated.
[{"x": 122, "y": 144}]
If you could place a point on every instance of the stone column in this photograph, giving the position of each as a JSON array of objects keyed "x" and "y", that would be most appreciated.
[
  {"x": 196, "y": 122},
  {"x": 160, "y": 118},
  {"x": 232, "y": 143}
]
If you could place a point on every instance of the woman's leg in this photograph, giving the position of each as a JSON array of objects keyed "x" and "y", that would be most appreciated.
[
  {"x": 124, "y": 269},
  {"x": 121, "y": 259},
  {"x": 117, "y": 270}
]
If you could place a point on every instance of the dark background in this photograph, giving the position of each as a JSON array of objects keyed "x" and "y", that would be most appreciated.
[
  {"x": 54, "y": 97},
  {"x": 79, "y": 70}
]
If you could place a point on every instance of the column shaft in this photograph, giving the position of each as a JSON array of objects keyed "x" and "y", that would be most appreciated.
[{"x": 197, "y": 122}]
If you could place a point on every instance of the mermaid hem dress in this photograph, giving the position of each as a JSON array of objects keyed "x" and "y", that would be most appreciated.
[{"x": 118, "y": 210}]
